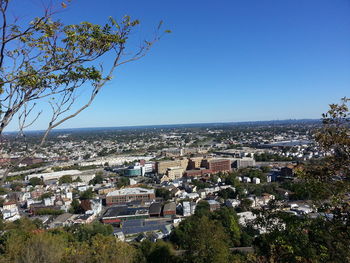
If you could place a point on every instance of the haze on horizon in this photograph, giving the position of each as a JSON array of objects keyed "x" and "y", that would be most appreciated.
[{"x": 224, "y": 62}]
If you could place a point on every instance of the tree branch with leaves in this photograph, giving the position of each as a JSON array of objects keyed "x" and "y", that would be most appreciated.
[{"x": 49, "y": 61}]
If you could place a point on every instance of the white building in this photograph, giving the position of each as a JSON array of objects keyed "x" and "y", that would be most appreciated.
[{"x": 256, "y": 180}]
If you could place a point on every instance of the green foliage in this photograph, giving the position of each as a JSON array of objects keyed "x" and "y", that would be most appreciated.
[
  {"x": 84, "y": 233},
  {"x": 98, "y": 179},
  {"x": 163, "y": 193},
  {"x": 200, "y": 184},
  {"x": 24, "y": 242},
  {"x": 35, "y": 181},
  {"x": 46, "y": 195},
  {"x": 122, "y": 181},
  {"x": 227, "y": 193},
  {"x": 74, "y": 167},
  {"x": 325, "y": 183},
  {"x": 15, "y": 178},
  {"x": 33, "y": 248},
  {"x": 232, "y": 179},
  {"x": 245, "y": 205},
  {"x": 78, "y": 180},
  {"x": 158, "y": 252},
  {"x": 16, "y": 186},
  {"x": 229, "y": 220},
  {"x": 76, "y": 207},
  {"x": 48, "y": 211},
  {"x": 3, "y": 191},
  {"x": 88, "y": 194},
  {"x": 202, "y": 209},
  {"x": 65, "y": 179},
  {"x": 268, "y": 157},
  {"x": 207, "y": 242}
]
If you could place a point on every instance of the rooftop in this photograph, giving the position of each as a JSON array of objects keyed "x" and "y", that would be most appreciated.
[{"x": 131, "y": 191}]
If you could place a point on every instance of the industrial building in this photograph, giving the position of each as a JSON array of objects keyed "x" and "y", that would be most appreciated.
[
  {"x": 174, "y": 173},
  {"x": 217, "y": 165},
  {"x": 161, "y": 167},
  {"x": 243, "y": 163},
  {"x": 118, "y": 214},
  {"x": 127, "y": 195}
]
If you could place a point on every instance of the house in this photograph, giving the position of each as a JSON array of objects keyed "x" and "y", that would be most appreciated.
[
  {"x": 246, "y": 179},
  {"x": 169, "y": 209},
  {"x": 232, "y": 203},
  {"x": 10, "y": 211},
  {"x": 155, "y": 209},
  {"x": 256, "y": 180},
  {"x": 61, "y": 220},
  {"x": 214, "y": 205}
]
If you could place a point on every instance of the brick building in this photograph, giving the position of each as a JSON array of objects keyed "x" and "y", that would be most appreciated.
[
  {"x": 127, "y": 195},
  {"x": 217, "y": 165}
]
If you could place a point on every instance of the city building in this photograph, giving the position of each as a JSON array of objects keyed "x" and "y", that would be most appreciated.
[
  {"x": 155, "y": 209},
  {"x": 197, "y": 172},
  {"x": 174, "y": 172},
  {"x": 243, "y": 162},
  {"x": 217, "y": 165},
  {"x": 194, "y": 163},
  {"x": 120, "y": 213},
  {"x": 169, "y": 209},
  {"x": 127, "y": 195},
  {"x": 213, "y": 205},
  {"x": 133, "y": 171},
  {"x": 161, "y": 167}
]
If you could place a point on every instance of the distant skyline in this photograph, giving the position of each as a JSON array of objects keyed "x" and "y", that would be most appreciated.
[{"x": 226, "y": 61}]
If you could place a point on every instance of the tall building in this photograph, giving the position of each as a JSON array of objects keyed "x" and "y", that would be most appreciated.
[
  {"x": 163, "y": 166},
  {"x": 126, "y": 195},
  {"x": 175, "y": 172},
  {"x": 217, "y": 165},
  {"x": 194, "y": 163}
]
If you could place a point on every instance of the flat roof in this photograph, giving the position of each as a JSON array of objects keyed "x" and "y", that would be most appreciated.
[
  {"x": 125, "y": 211},
  {"x": 131, "y": 191}
]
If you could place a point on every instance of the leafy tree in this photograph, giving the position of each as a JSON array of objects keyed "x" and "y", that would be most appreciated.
[
  {"x": 106, "y": 249},
  {"x": 158, "y": 252},
  {"x": 98, "y": 179},
  {"x": 84, "y": 233},
  {"x": 325, "y": 183},
  {"x": 76, "y": 207},
  {"x": 38, "y": 248},
  {"x": 164, "y": 193},
  {"x": 65, "y": 179},
  {"x": 122, "y": 181},
  {"x": 227, "y": 193},
  {"x": 232, "y": 179},
  {"x": 48, "y": 211},
  {"x": 35, "y": 181},
  {"x": 245, "y": 205},
  {"x": 45, "y": 60},
  {"x": 77, "y": 180},
  {"x": 229, "y": 220},
  {"x": 207, "y": 242},
  {"x": 3, "y": 191},
  {"x": 202, "y": 209},
  {"x": 46, "y": 195},
  {"x": 16, "y": 186},
  {"x": 88, "y": 194}
]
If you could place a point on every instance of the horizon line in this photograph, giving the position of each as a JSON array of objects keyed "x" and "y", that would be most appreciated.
[{"x": 172, "y": 124}]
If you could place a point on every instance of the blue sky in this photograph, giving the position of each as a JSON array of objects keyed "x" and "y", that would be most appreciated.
[{"x": 226, "y": 60}]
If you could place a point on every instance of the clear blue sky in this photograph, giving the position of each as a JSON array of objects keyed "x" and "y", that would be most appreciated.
[{"x": 226, "y": 60}]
